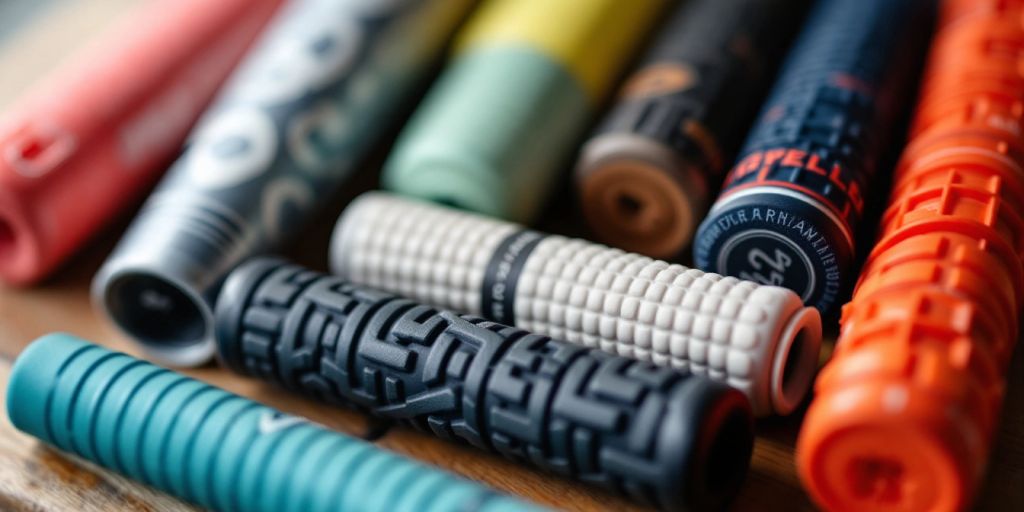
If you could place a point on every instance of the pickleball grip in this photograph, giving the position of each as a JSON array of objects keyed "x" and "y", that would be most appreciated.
[
  {"x": 213, "y": 448},
  {"x": 657, "y": 435},
  {"x": 790, "y": 207},
  {"x": 88, "y": 140},
  {"x": 905, "y": 413},
  {"x": 758, "y": 339},
  {"x": 315, "y": 95},
  {"x": 645, "y": 177}
]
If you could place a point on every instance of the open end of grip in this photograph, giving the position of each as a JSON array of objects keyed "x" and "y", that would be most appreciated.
[
  {"x": 642, "y": 204},
  {"x": 886, "y": 446},
  {"x": 171, "y": 322},
  {"x": 727, "y": 458},
  {"x": 796, "y": 360}
]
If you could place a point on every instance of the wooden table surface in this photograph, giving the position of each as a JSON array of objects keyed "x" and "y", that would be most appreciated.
[{"x": 34, "y": 477}]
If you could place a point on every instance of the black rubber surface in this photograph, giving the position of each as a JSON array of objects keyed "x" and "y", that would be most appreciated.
[{"x": 655, "y": 434}]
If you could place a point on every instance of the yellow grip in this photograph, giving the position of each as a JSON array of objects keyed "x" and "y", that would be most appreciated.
[{"x": 592, "y": 39}]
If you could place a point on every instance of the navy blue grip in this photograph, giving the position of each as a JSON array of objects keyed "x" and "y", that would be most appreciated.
[{"x": 791, "y": 205}]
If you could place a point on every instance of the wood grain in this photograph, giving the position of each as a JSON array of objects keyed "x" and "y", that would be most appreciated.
[{"x": 33, "y": 477}]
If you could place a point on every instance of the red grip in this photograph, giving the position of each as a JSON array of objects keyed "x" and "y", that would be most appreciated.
[{"x": 94, "y": 135}]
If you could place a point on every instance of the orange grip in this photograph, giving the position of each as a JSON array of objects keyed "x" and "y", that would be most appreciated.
[
  {"x": 986, "y": 206},
  {"x": 905, "y": 413},
  {"x": 935, "y": 260},
  {"x": 957, "y": 10}
]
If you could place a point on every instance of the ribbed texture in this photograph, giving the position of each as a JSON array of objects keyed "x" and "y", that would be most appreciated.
[
  {"x": 815, "y": 147},
  {"x": 322, "y": 84},
  {"x": 213, "y": 448},
  {"x": 584, "y": 293},
  {"x": 905, "y": 414},
  {"x": 657, "y": 435}
]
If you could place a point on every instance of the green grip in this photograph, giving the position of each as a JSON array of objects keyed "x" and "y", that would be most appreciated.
[
  {"x": 493, "y": 134},
  {"x": 211, "y": 447}
]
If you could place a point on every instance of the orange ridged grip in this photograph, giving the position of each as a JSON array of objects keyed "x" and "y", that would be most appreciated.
[
  {"x": 905, "y": 413},
  {"x": 956, "y": 10},
  {"x": 936, "y": 260}
]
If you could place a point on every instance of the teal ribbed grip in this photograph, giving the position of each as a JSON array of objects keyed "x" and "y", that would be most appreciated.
[{"x": 211, "y": 447}]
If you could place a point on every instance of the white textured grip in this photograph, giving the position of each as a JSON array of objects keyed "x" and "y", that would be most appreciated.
[{"x": 760, "y": 339}]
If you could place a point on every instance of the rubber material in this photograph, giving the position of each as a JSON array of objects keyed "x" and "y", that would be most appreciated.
[
  {"x": 657, "y": 435},
  {"x": 646, "y": 176},
  {"x": 737, "y": 332},
  {"x": 322, "y": 87},
  {"x": 905, "y": 414},
  {"x": 213, "y": 448},
  {"x": 92, "y": 137},
  {"x": 791, "y": 205},
  {"x": 495, "y": 132}
]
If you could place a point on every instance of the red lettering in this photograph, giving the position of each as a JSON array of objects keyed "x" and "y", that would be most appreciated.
[
  {"x": 794, "y": 158},
  {"x": 812, "y": 165},
  {"x": 770, "y": 157},
  {"x": 746, "y": 166}
]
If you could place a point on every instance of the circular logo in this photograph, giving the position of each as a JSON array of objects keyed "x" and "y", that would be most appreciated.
[{"x": 768, "y": 258}]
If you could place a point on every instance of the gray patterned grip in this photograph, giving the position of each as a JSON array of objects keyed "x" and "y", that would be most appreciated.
[{"x": 658, "y": 435}]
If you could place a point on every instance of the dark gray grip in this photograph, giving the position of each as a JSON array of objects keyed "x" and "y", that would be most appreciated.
[{"x": 658, "y": 435}]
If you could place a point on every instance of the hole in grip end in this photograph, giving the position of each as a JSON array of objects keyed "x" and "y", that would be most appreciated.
[
  {"x": 960, "y": 204},
  {"x": 210, "y": 447},
  {"x": 474, "y": 381},
  {"x": 968, "y": 233},
  {"x": 795, "y": 360},
  {"x": 936, "y": 260},
  {"x": 169, "y": 318},
  {"x": 900, "y": 355},
  {"x": 885, "y": 445},
  {"x": 892, "y": 335},
  {"x": 640, "y": 196},
  {"x": 158, "y": 286}
]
